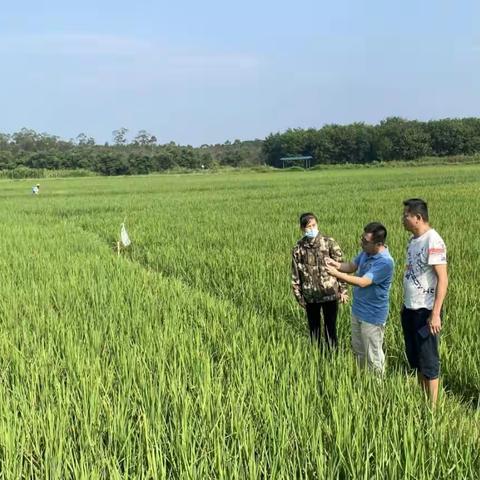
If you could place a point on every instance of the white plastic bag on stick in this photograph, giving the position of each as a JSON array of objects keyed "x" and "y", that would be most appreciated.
[{"x": 124, "y": 238}]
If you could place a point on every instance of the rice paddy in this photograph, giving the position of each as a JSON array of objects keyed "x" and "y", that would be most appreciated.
[{"x": 187, "y": 356}]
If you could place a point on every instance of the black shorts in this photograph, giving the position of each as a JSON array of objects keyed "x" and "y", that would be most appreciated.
[{"x": 422, "y": 353}]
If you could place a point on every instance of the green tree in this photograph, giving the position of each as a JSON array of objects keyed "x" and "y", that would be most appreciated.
[
  {"x": 144, "y": 139},
  {"x": 399, "y": 139},
  {"x": 120, "y": 136}
]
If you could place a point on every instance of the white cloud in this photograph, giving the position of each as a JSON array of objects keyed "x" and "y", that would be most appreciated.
[
  {"x": 214, "y": 61},
  {"x": 100, "y": 62},
  {"x": 74, "y": 44},
  {"x": 106, "y": 46}
]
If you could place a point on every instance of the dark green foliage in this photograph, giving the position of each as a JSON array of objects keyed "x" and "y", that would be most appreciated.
[
  {"x": 27, "y": 152},
  {"x": 392, "y": 139},
  {"x": 398, "y": 139},
  {"x": 358, "y": 143}
]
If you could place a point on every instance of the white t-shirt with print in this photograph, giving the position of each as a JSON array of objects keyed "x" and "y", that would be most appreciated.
[{"x": 420, "y": 280}]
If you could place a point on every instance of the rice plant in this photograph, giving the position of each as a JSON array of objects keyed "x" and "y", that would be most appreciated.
[{"x": 187, "y": 357}]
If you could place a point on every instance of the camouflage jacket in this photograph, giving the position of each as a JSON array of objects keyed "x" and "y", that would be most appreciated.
[{"x": 310, "y": 281}]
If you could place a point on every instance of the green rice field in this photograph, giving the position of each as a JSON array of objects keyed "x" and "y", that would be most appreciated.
[{"x": 187, "y": 357}]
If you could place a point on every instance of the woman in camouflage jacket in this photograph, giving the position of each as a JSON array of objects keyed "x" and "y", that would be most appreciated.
[{"x": 314, "y": 288}]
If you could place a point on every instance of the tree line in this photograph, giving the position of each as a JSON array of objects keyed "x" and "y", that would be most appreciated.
[
  {"x": 29, "y": 150},
  {"x": 358, "y": 143},
  {"x": 392, "y": 139}
]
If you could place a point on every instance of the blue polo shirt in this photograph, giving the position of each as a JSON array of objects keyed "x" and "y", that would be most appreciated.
[{"x": 370, "y": 304}]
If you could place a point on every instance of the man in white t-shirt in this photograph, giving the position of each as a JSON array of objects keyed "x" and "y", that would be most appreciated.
[{"x": 425, "y": 285}]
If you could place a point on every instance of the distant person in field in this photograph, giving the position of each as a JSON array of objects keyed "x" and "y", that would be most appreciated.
[
  {"x": 315, "y": 290},
  {"x": 36, "y": 189},
  {"x": 425, "y": 287},
  {"x": 374, "y": 267}
]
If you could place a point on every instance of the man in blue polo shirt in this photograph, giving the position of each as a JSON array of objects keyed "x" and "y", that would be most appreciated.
[{"x": 374, "y": 267}]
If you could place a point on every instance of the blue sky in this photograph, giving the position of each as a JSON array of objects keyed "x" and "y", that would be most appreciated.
[{"x": 206, "y": 72}]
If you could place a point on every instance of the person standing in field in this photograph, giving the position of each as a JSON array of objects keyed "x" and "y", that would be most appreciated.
[
  {"x": 374, "y": 266},
  {"x": 425, "y": 287},
  {"x": 36, "y": 189},
  {"x": 315, "y": 290}
]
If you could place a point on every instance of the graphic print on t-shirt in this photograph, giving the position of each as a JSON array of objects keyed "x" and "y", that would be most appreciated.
[
  {"x": 420, "y": 280},
  {"x": 416, "y": 267}
]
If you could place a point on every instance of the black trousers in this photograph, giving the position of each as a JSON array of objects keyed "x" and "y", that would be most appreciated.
[
  {"x": 422, "y": 351},
  {"x": 329, "y": 310}
]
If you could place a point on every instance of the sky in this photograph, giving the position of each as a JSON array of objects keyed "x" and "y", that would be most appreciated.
[{"x": 205, "y": 72}]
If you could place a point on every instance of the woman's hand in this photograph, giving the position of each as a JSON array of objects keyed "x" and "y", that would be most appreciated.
[{"x": 344, "y": 298}]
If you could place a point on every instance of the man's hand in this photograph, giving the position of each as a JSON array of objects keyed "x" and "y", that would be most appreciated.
[
  {"x": 344, "y": 298},
  {"x": 435, "y": 324},
  {"x": 331, "y": 270},
  {"x": 330, "y": 262}
]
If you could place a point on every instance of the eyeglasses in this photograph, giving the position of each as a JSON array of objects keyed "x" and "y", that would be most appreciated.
[{"x": 365, "y": 241}]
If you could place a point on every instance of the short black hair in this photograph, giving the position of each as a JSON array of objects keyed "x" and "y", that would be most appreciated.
[
  {"x": 417, "y": 206},
  {"x": 378, "y": 231},
  {"x": 305, "y": 219}
]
